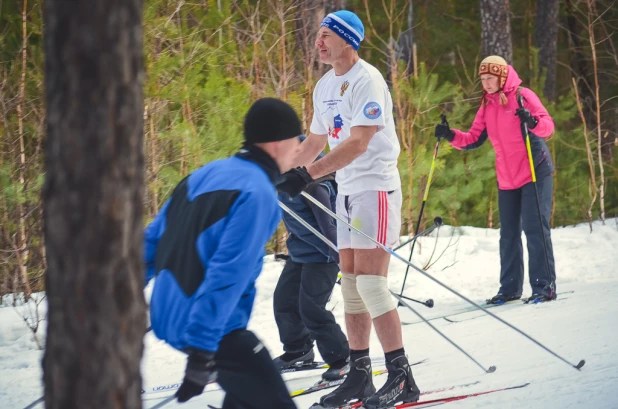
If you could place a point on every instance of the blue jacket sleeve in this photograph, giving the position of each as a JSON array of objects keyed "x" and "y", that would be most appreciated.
[
  {"x": 477, "y": 144},
  {"x": 152, "y": 234},
  {"x": 231, "y": 269}
]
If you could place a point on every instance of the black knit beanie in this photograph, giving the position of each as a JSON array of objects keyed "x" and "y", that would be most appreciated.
[{"x": 270, "y": 120}]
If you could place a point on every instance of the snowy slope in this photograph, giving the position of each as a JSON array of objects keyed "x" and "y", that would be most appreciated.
[{"x": 581, "y": 325}]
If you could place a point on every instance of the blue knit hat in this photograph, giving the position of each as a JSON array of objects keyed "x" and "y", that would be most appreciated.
[{"x": 346, "y": 25}]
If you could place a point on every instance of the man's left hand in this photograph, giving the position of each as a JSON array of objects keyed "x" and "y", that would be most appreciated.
[
  {"x": 294, "y": 181},
  {"x": 200, "y": 366}
]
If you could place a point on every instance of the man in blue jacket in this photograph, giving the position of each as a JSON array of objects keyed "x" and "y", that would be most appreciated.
[
  {"x": 206, "y": 249},
  {"x": 306, "y": 283}
]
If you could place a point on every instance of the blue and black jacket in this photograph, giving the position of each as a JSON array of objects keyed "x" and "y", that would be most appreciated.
[
  {"x": 304, "y": 246},
  {"x": 206, "y": 248}
]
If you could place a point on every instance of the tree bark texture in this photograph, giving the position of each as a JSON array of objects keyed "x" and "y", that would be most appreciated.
[
  {"x": 406, "y": 41},
  {"x": 334, "y": 5},
  {"x": 309, "y": 15},
  {"x": 579, "y": 62},
  {"x": 22, "y": 241},
  {"x": 496, "y": 29},
  {"x": 546, "y": 39},
  {"x": 94, "y": 72}
]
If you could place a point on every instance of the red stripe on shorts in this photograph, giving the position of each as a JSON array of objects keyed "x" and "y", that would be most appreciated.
[
  {"x": 382, "y": 217},
  {"x": 385, "y": 216},
  {"x": 379, "y": 236}
]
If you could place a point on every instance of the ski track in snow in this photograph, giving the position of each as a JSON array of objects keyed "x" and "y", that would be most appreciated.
[{"x": 581, "y": 326}]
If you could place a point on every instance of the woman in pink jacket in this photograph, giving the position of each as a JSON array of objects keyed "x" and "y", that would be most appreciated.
[{"x": 499, "y": 118}]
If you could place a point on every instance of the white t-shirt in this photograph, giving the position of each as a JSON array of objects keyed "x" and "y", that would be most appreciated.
[{"x": 360, "y": 97}]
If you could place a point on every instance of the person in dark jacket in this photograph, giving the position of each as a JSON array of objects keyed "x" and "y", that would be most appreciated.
[
  {"x": 306, "y": 283},
  {"x": 499, "y": 119},
  {"x": 206, "y": 249}
]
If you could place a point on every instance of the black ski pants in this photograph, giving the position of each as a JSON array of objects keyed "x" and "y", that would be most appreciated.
[
  {"x": 247, "y": 374},
  {"x": 518, "y": 210},
  {"x": 299, "y": 302}
]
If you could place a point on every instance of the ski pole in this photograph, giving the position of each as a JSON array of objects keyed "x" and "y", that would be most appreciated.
[
  {"x": 486, "y": 370},
  {"x": 164, "y": 402},
  {"x": 428, "y": 303},
  {"x": 308, "y": 226},
  {"x": 520, "y": 101},
  {"x": 437, "y": 222},
  {"x": 36, "y": 402},
  {"x": 425, "y": 196},
  {"x": 440, "y": 283}
]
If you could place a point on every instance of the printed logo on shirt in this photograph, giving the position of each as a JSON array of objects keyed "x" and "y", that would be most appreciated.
[
  {"x": 372, "y": 110},
  {"x": 334, "y": 131},
  {"x": 344, "y": 87}
]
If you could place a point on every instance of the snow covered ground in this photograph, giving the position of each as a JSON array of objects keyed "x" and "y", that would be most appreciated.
[{"x": 582, "y": 324}]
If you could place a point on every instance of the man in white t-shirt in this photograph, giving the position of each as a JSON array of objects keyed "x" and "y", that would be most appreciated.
[{"x": 353, "y": 113}]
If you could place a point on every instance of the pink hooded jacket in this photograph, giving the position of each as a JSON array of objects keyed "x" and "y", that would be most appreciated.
[{"x": 500, "y": 123}]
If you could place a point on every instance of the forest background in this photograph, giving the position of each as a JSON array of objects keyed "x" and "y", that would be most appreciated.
[{"x": 207, "y": 60}]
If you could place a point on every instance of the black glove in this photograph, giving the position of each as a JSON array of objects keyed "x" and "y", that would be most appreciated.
[
  {"x": 295, "y": 181},
  {"x": 200, "y": 367},
  {"x": 526, "y": 118},
  {"x": 444, "y": 131}
]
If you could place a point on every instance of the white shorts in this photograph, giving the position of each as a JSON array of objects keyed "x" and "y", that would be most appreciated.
[{"x": 375, "y": 213}]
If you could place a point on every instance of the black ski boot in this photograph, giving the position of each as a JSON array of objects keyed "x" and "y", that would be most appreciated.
[
  {"x": 500, "y": 299},
  {"x": 337, "y": 370},
  {"x": 399, "y": 387},
  {"x": 357, "y": 385},
  {"x": 539, "y": 298},
  {"x": 289, "y": 360}
]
